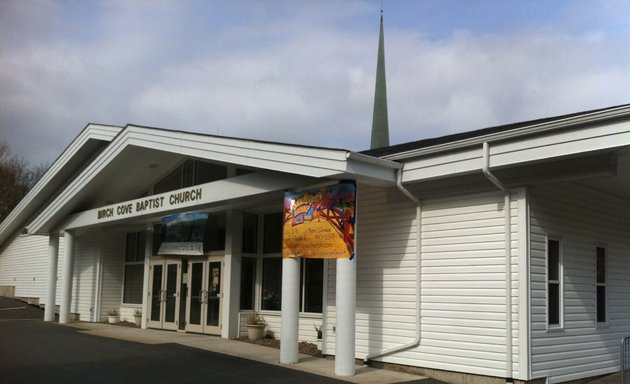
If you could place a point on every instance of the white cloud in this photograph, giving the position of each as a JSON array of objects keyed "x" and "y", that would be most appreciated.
[{"x": 287, "y": 75}]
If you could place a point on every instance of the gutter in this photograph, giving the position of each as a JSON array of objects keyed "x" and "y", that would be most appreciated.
[
  {"x": 382, "y": 162},
  {"x": 508, "y": 258},
  {"x": 416, "y": 341}
]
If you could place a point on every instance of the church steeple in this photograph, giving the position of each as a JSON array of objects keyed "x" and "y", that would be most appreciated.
[{"x": 380, "y": 125}]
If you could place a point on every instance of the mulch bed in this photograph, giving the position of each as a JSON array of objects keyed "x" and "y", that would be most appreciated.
[
  {"x": 125, "y": 324},
  {"x": 303, "y": 346}
]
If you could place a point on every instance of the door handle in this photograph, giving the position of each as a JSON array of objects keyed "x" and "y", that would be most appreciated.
[
  {"x": 163, "y": 295},
  {"x": 201, "y": 296}
]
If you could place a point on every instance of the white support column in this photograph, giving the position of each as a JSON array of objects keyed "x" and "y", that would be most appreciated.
[
  {"x": 51, "y": 284},
  {"x": 290, "y": 310},
  {"x": 231, "y": 291},
  {"x": 346, "y": 305},
  {"x": 148, "y": 252},
  {"x": 66, "y": 278}
]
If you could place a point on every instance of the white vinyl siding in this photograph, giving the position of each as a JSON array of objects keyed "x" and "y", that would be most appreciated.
[
  {"x": 84, "y": 276},
  {"x": 386, "y": 273},
  {"x": 584, "y": 217},
  {"x": 24, "y": 265},
  {"x": 463, "y": 281},
  {"x": 113, "y": 256}
]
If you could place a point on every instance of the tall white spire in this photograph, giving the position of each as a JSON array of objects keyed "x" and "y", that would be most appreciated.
[{"x": 380, "y": 124}]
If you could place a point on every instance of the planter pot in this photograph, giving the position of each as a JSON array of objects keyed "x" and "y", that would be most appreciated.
[
  {"x": 255, "y": 331},
  {"x": 319, "y": 344},
  {"x": 138, "y": 320},
  {"x": 113, "y": 319}
]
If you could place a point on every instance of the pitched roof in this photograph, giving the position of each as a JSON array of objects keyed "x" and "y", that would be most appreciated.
[{"x": 398, "y": 150}]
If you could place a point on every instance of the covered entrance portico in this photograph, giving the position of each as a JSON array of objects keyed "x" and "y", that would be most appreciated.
[{"x": 234, "y": 178}]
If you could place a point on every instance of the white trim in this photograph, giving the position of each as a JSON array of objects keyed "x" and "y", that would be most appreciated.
[
  {"x": 307, "y": 162},
  {"x": 590, "y": 118},
  {"x": 560, "y": 282},
  {"x": 524, "y": 285},
  {"x": 605, "y": 284},
  {"x": 47, "y": 185},
  {"x": 580, "y": 140},
  {"x": 99, "y": 280}
]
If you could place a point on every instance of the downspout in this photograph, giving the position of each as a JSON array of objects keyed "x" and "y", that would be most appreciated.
[
  {"x": 416, "y": 341},
  {"x": 508, "y": 259}
]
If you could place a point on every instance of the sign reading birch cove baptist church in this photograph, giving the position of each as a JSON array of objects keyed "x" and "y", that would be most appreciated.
[{"x": 319, "y": 223}]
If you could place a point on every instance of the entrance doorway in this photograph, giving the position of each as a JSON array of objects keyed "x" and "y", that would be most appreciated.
[
  {"x": 190, "y": 290},
  {"x": 164, "y": 293},
  {"x": 204, "y": 299}
]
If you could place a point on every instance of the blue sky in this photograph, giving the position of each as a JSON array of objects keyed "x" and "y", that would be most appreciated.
[{"x": 302, "y": 71}]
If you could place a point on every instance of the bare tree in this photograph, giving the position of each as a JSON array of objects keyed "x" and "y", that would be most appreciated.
[{"x": 16, "y": 179}]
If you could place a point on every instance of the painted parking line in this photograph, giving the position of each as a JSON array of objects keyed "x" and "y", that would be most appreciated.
[{"x": 10, "y": 309}]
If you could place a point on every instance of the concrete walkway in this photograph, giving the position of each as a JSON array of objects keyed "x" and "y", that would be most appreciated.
[{"x": 310, "y": 364}]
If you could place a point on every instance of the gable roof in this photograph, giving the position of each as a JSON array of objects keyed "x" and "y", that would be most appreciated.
[
  {"x": 137, "y": 149},
  {"x": 90, "y": 141},
  {"x": 414, "y": 148}
]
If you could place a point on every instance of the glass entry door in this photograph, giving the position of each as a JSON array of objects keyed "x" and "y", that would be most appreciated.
[
  {"x": 164, "y": 283},
  {"x": 203, "y": 304}
]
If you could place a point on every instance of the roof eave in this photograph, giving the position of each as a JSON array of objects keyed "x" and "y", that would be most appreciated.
[
  {"x": 39, "y": 194},
  {"x": 587, "y": 118}
]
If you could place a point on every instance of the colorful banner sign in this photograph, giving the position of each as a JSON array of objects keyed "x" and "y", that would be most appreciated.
[
  {"x": 183, "y": 234},
  {"x": 319, "y": 223}
]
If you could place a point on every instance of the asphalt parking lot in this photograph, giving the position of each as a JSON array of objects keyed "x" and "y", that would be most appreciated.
[{"x": 32, "y": 351}]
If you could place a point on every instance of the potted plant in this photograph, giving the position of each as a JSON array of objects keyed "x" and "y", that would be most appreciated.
[
  {"x": 112, "y": 316},
  {"x": 255, "y": 326},
  {"x": 319, "y": 336},
  {"x": 137, "y": 316}
]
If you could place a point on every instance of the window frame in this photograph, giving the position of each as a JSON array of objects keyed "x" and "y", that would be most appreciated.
[
  {"x": 603, "y": 284},
  {"x": 559, "y": 282},
  {"x": 139, "y": 256},
  {"x": 260, "y": 256},
  {"x": 303, "y": 285}
]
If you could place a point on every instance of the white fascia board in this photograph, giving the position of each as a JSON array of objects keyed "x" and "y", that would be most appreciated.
[
  {"x": 519, "y": 151},
  {"x": 586, "y": 119},
  {"x": 291, "y": 159},
  {"x": 42, "y": 221},
  {"x": 564, "y": 143},
  {"x": 221, "y": 191},
  {"x": 308, "y": 161},
  {"x": 368, "y": 168},
  {"x": 39, "y": 193}
]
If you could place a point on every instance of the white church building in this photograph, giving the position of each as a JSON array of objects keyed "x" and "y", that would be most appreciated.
[{"x": 502, "y": 253}]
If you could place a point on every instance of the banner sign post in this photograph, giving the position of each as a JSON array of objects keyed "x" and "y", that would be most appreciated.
[{"x": 319, "y": 223}]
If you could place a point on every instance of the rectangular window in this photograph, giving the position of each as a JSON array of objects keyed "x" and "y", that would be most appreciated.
[
  {"x": 601, "y": 284},
  {"x": 134, "y": 268},
  {"x": 311, "y": 285},
  {"x": 272, "y": 242},
  {"x": 554, "y": 277},
  {"x": 214, "y": 239},
  {"x": 271, "y": 283},
  {"x": 207, "y": 172},
  {"x": 250, "y": 233},
  {"x": 248, "y": 282},
  {"x": 170, "y": 183}
]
